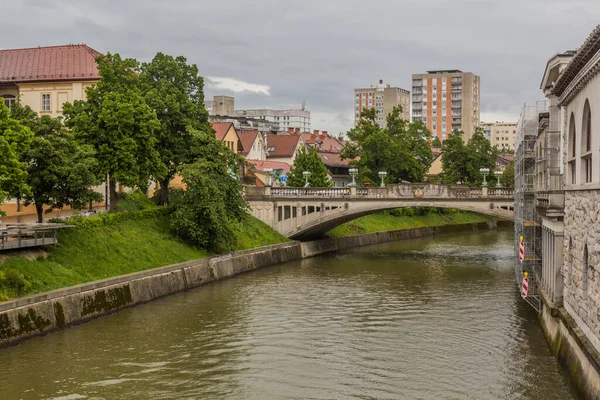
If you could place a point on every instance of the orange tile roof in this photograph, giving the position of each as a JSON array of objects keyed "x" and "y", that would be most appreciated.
[
  {"x": 221, "y": 129},
  {"x": 262, "y": 165},
  {"x": 334, "y": 160},
  {"x": 327, "y": 143},
  {"x": 53, "y": 63},
  {"x": 282, "y": 145},
  {"x": 247, "y": 138}
]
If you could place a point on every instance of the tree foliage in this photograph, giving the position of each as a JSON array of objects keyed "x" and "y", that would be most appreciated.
[
  {"x": 461, "y": 163},
  {"x": 60, "y": 170},
  {"x": 508, "y": 175},
  {"x": 174, "y": 91},
  {"x": 212, "y": 199},
  {"x": 118, "y": 123},
  {"x": 436, "y": 143},
  {"x": 309, "y": 161},
  {"x": 15, "y": 139},
  {"x": 402, "y": 148}
]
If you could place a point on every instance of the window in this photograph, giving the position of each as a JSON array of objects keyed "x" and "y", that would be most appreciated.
[
  {"x": 584, "y": 272},
  {"x": 571, "y": 150},
  {"x": 9, "y": 100},
  {"x": 586, "y": 144},
  {"x": 46, "y": 102}
]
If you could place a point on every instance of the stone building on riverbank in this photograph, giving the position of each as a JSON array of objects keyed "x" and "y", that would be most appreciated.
[{"x": 561, "y": 192}]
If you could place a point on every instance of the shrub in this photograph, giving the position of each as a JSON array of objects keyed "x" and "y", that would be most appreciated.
[
  {"x": 134, "y": 201},
  {"x": 13, "y": 281}
]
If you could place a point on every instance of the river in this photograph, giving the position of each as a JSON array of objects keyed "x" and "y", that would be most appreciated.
[{"x": 433, "y": 318}]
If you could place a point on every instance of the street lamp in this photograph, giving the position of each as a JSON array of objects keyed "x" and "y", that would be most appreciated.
[
  {"x": 353, "y": 172},
  {"x": 498, "y": 175},
  {"x": 484, "y": 172},
  {"x": 306, "y": 175},
  {"x": 382, "y": 175}
]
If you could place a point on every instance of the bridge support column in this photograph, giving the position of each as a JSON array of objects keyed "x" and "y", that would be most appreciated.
[
  {"x": 484, "y": 191},
  {"x": 352, "y": 191}
]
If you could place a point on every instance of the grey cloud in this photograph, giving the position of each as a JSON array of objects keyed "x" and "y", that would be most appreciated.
[{"x": 319, "y": 51}]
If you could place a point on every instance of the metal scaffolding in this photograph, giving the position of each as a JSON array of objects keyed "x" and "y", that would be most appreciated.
[{"x": 527, "y": 221}]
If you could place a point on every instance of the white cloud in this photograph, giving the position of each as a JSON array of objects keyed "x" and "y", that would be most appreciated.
[{"x": 238, "y": 86}]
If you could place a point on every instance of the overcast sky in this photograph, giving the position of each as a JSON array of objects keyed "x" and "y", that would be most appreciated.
[{"x": 276, "y": 53}]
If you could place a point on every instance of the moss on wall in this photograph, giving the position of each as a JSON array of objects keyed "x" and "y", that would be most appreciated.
[{"x": 106, "y": 300}]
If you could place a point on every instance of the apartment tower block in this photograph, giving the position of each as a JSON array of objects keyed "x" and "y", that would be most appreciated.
[
  {"x": 446, "y": 100},
  {"x": 383, "y": 98}
]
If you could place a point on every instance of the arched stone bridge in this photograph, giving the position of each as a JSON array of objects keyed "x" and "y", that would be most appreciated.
[{"x": 307, "y": 213}]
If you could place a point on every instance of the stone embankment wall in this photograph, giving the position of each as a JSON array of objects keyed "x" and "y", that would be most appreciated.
[
  {"x": 39, "y": 314},
  {"x": 577, "y": 356}
]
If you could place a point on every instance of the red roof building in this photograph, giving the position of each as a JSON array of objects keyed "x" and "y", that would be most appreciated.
[
  {"x": 44, "y": 78},
  {"x": 283, "y": 148}
]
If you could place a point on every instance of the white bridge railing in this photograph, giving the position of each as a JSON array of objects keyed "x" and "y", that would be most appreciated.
[{"x": 412, "y": 190}]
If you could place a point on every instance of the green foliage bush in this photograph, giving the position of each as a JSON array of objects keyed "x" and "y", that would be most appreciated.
[
  {"x": 134, "y": 201},
  {"x": 13, "y": 282},
  {"x": 112, "y": 218}
]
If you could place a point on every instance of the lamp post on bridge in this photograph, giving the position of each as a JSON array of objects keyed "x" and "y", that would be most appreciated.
[
  {"x": 353, "y": 172},
  {"x": 498, "y": 175},
  {"x": 382, "y": 175},
  {"x": 484, "y": 172},
  {"x": 306, "y": 175}
]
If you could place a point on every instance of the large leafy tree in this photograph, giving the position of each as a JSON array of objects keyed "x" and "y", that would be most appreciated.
[
  {"x": 508, "y": 175},
  {"x": 212, "y": 199},
  {"x": 15, "y": 139},
  {"x": 174, "y": 91},
  {"x": 461, "y": 163},
  {"x": 118, "y": 123},
  {"x": 402, "y": 149},
  {"x": 309, "y": 161},
  {"x": 436, "y": 143},
  {"x": 61, "y": 171}
]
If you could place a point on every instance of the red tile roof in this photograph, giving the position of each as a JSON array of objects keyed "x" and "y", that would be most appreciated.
[
  {"x": 221, "y": 129},
  {"x": 53, "y": 63},
  {"x": 247, "y": 139},
  {"x": 324, "y": 142},
  {"x": 262, "y": 165},
  {"x": 282, "y": 145},
  {"x": 334, "y": 160}
]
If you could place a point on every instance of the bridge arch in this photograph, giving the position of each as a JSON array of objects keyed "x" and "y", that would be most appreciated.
[{"x": 306, "y": 213}]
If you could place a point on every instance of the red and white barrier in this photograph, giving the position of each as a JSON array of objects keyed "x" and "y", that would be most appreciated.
[
  {"x": 521, "y": 250},
  {"x": 525, "y": 288}
]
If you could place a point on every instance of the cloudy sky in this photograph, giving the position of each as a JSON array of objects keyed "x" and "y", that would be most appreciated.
[{"x": 276, "y": 53}]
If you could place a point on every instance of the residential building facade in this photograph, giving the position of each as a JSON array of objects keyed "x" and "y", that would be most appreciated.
[
  {"x": 225, "y": 132},
  {"x": 285, "y": 119},
  {"x": 383, "y": 98},
  {"x": 253, "y": 145},
  {"x": 446, "y": 100},
  {"x": 283, "y": 148},
  {"x": 44, "y": 78},
  {"x": 501, "y": 135},
  {"x": 329, "y": 149},
  {"x": 221, "y": 105}
]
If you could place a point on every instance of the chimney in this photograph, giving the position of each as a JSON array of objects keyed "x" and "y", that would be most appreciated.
[
  {"x": 381, "y": 81},
  {"x": 324, "y": 133},
  {"x": 316, "y": 131},
  {"x": 297, "y": 130},
  {"x": 290, "y": 130}
]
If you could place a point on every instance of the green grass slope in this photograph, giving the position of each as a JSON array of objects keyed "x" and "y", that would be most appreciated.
[
  {"x": 401, "y": 219},
  {"x": 104, "y": 247}
]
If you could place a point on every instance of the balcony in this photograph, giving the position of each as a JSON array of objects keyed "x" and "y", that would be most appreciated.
[
  {"x": 456, "y": 81},
  {"x": 456, "y": 97},
  {"x": 456, "y": 104},
  {"x": 417, "y": 90},
  {"x": 456, "y": 121},
  {"x": 456, "y": 89},
  {"x": 417, "y": 106},
  {"x": 550, "y": 203},
  {"x": 456, "y": 114}
]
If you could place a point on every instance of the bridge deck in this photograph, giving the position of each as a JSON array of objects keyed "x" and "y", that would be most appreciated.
[{"x": 19, "y": 236}]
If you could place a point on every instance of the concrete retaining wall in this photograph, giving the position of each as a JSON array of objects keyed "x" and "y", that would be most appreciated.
[
  {"x": 39, "y": 314},
  {"x": 578, "y": 358}
]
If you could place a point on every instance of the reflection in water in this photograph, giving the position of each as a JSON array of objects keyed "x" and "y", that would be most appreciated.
[{"x": 436, "y": 318}]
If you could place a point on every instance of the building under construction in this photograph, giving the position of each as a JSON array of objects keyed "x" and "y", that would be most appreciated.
[{"x": 527, "y": 221}]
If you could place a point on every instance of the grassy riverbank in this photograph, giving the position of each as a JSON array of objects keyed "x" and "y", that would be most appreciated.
[
  {"x": 107, "y": 246},
  {"x": 406, "y": 219}
]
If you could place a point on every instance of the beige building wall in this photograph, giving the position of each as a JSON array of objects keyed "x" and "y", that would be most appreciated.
[
  {"x": 447, "y": 100},
  {"x": 231, "y": 139},
  {"x": 257, "y": 151},
  {"x": 503, "y": 134},
  {"x": 223, "y": 105},
  {"x": 47, "y": 98},
  {"x": 383, "y": 98}
]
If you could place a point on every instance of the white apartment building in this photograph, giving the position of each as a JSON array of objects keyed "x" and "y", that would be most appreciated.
[{"x": 383, "y": 98}]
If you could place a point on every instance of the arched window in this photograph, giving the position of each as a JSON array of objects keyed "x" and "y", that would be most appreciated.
[
  {"x": 585, "y": 266},
  {"x": 586, "y": 144},
  {"x": 9, "y": 99},
  {"x": 571, "y": 145}
]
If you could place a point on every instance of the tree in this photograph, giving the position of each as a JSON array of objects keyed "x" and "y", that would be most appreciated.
[
  {"x": 401, "y": 149},
  {"x": 212, "y": 198},
  {"x": 15, "y": 139},
  {"x": 508, "y": 175},
  {"x": 118, "y": 123},
  {"x": 461, "y": 163},
  {"x": 60, "y": 169},
  {"x": 436, "y": 143},
  {"x": 174, "y": 91},
  {"x": 309, "y": 161}
]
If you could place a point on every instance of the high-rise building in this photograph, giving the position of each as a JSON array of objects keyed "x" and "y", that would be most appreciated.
[
  {"x": 383, "y": 98},
  {"x": 446, "y": 100},
  {"x": 221, "y": 105},
  {"x": 500, "y": 134}
]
